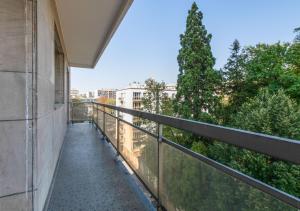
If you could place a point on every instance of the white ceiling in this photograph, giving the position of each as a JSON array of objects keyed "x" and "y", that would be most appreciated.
[{"x": 87, "y": 26}]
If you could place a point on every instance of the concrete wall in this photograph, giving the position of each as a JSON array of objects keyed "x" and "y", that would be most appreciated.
[
  {"x": 51, "y": 117},
  {"x": 32, "y": 126},
  {"x": 16, "y": 103}
]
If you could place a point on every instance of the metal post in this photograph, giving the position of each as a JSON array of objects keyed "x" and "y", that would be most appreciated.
[
  {"x": 103, "y": 121},
  {"x": 159, "y": 141},
  {"x": 118, "y": 134},
  {"x": 92, "y": 118},
  {"x": 72, "y": 106},
  {"x": 97, "y": 109},
  {"x": 93, "y": 113}
]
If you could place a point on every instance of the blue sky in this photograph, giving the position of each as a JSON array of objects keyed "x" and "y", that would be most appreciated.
[{"x": 147, "y": 42}]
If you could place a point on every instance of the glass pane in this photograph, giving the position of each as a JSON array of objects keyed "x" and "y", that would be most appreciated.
[
  {"x": 140, "y": 122},
  {"x": 140, "y": 150},
  {"x": 187, "y": 183},
  {"x": 100, "y": 119},
  {"x": 81, "y": 112},
  {"x": 111, "y": 129},
  {"x": 94, "y": 112}
]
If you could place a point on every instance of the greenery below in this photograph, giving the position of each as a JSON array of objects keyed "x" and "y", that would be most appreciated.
[{"x": 257, "y": 90}]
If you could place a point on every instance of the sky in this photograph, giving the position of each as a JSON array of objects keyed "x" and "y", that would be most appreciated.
[{"x": 146, "y": 43}]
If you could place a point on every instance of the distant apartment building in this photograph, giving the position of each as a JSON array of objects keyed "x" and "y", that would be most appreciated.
[
  {"x": 130, "y": 137},
  {"x": 108, "y": 93},
  {"x": 74, "y": 93},
  {"x": 131, "y": 97},
  {"x": 90, "y": 95}
]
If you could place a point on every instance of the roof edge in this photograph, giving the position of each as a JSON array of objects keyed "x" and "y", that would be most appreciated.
[{"x": 123, "y": 10}]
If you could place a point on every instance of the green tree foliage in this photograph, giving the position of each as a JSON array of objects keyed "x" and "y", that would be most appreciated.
[
  {"x": 293, "y": 54},
  {"x": 190, "y": 184},
  {"x": 234, "y": 81},
  {"x": 297, "y": 38},
  {"x": 154, "y": 97},
  {"x": 196, "y": 85},
  {"x": 260, "y": 93},
  {"x": 234, "y": 71},
  {"x": 155, "y": 100},
  {"x": 272, "y": 67},
  {"x": 273, "y": 114}
]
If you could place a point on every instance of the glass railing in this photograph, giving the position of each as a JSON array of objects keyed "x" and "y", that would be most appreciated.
[
  {"x": 81, "y": 112},
  {"x": 180, "y": 179},
  {"x": 189, "y": 182}
]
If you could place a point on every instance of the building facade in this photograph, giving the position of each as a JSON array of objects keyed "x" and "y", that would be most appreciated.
[
  {"x": 107, "y": 93},
  {"x": 74, "y": 93},
  {"x": 40, "y": 41},
  {"x": 131, "y": 97},
  {"x": 130, "y": 137}
]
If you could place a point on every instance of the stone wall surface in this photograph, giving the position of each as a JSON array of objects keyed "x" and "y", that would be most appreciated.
[
  {"x": 32, "y": 126},
  {"x": 16, "y": 103}
]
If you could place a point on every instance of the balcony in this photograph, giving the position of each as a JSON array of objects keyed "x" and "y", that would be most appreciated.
[
  {"x": 89, "y": 177},
  {"x": 175, "y": 177}
]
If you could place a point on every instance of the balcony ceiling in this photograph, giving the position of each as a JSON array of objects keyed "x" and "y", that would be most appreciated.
[{"x": 87, "y": 27}]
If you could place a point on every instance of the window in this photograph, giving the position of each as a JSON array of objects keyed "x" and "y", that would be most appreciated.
[
  {"x": 136, "y": 95},
  {"x": 59, "y": 71},
  {"x": 136, "y": 105}
]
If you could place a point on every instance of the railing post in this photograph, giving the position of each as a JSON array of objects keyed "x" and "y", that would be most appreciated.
[
  {"x": 159, "y": 141},
  {"x": 118, "y": 134},
  {"x": 103, "y": 121},
  {"x": 72, "y": 113},
  {"x": 91, "y": 118},
  {"x": 93, "y": 115},
  {"x": 97, "y": 109}
]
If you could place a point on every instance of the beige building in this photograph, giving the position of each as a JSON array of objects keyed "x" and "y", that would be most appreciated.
[{"x": 40, "y": 41}]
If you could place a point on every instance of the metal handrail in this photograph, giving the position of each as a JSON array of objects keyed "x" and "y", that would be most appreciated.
[
  {"x": 277, "y": 147},
  {"x": 216, "y": 132}
]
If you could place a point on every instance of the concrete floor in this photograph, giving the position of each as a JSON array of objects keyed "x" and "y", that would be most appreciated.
[{"x": 89, "y": 178}]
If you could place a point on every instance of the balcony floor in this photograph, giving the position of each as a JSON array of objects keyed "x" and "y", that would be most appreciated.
[{"x": 89, "y": 178}]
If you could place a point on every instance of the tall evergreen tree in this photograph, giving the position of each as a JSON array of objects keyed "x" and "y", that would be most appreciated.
[
  {"x": 196, "y": 85},
  {"x": 297, "y": 38},
  {"x": 234, "y": 73},
  {"x": 234, "y": 77}
]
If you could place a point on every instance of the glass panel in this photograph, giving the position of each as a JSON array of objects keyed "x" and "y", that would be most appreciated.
[
  {"x": 187, "y": 183},
  {"x": 100, "y": 119},
  {"x": 81, "y": 112},
  {"x": 94, "y": 112},
  {"x": 110, "y": 111},
  {"x": 139, "y": 122},
  {"x": 140, "y": 150},
  {"x": 111, "y": 129}
]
